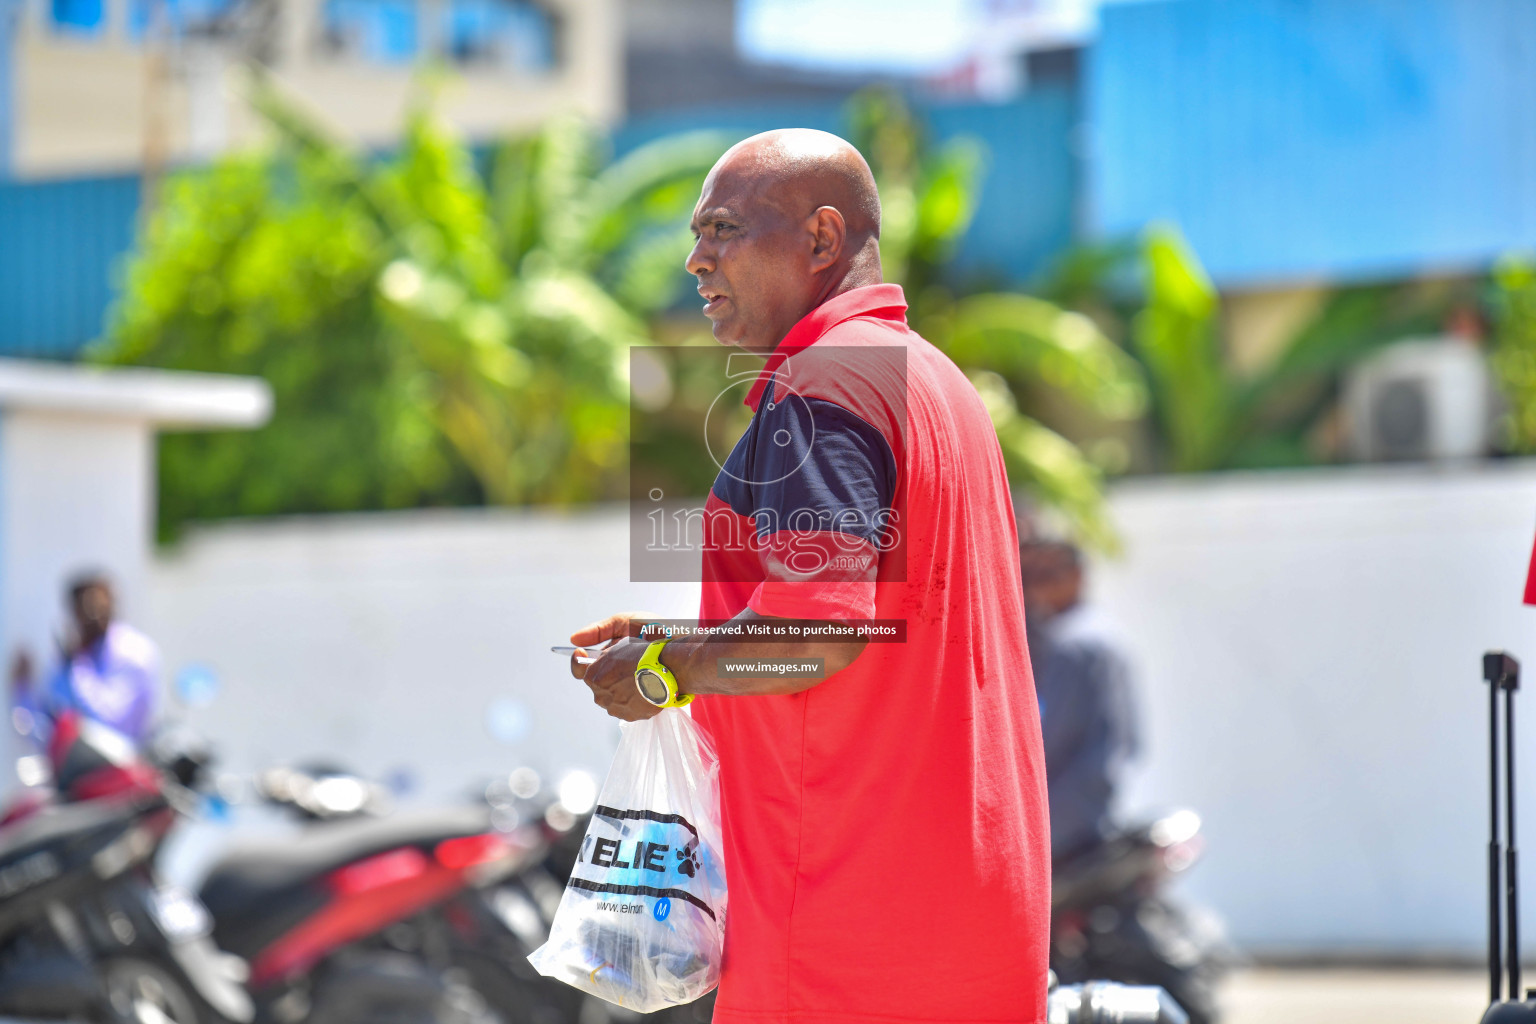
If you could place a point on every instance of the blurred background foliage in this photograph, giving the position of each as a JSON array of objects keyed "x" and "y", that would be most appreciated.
[
  {"x": 442, "y": 330},
  {"x": 1007, "y": 342},
  {"x": 447, "y": 327},
  {"x": 1152, "y": 295},
  {"x": 1513, "y": 305},
  {"x": 434, "y": 332}
]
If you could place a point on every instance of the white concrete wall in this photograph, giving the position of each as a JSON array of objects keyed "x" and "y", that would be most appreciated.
[
  {"x": 1310, "y": 653},
  {"x": 383, "y": 640},
  {"x": 74, "y": 494},
  {"x": 1308, "y": 646}
]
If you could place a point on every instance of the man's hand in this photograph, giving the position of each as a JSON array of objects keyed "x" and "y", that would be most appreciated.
[
  {"x": 611, "y": 677},
  {"x": 614, "y": 627},
  {"x": 695, "y": 660}
]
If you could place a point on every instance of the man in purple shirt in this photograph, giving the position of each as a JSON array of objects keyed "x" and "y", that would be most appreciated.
[{"x": 109, "y": 671}]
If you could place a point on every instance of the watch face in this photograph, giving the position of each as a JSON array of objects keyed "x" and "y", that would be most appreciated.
[{"x": 652, "y": 687}]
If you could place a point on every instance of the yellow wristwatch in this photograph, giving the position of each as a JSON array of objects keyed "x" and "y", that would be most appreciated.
[{"x": 656, "y": 682}]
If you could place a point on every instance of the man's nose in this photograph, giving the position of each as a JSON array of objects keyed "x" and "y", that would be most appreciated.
[{"x": 700, "y": 259}]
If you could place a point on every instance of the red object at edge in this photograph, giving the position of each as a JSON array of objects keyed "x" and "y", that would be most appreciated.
[{"x": 1530, "y": 579}]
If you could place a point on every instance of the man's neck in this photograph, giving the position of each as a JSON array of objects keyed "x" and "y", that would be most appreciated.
[{"x": 863, "y": 270}]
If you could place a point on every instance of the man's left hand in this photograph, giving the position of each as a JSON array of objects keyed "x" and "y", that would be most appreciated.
[{"x": 611, "y": 679}]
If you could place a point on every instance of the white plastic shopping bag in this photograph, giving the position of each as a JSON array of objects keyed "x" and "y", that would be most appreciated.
[{"x": 642, "y": 920}]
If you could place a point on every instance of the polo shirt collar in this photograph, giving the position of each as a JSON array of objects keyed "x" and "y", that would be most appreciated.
[{"x": 881, "y": 301}]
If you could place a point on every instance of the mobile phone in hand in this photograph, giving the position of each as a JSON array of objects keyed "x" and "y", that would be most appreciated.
[{"x": 580, "y": 654}]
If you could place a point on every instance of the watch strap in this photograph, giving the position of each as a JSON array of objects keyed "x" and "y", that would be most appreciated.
[{"x": 650, "y": 662}]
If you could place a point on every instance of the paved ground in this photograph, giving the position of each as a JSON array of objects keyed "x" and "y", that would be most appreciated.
[{"x": 1268, "y": 995}]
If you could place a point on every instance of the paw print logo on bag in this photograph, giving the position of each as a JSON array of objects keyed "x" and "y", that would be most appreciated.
[{"x": 688, "y": 861}]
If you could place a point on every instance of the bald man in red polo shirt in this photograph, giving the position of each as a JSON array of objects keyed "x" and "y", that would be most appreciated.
[{"x": 886, "y": 833}]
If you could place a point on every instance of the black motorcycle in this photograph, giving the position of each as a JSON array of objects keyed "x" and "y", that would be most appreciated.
[
  {"x": 485, "y": 932},
  {"x": 468, "y": 947},
  {"x": 318, "y": 929},
  {"x": 1111, "y": 918},
  {"x": 86, "y": 929},
  {"x": 491, "y": 931}
]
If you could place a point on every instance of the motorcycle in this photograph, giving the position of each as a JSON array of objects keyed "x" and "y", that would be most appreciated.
[
  {"x": 318, "y": 929},
  {"x": 1111, "y": 919},
  {"x": 323, "y": 791},
  {"x": 340, "y": 922},
  {"x": 86, "y": 929},
  {"x": 479, "y": 937},
  {"x": 488, "y": 931}
]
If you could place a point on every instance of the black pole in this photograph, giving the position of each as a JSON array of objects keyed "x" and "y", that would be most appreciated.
[
  {"x": 1495, "y": 962},
  {"x": 1511, "y": 887}
]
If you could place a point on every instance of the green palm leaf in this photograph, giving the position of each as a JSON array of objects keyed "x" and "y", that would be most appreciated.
[{"x": 1024, "y": 338}]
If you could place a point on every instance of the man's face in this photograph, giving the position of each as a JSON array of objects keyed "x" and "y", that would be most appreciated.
[
  {"x": 93, "y": 611},
  {"x": 1050, "y": 587},
  {"x": 751, "y": 259}
]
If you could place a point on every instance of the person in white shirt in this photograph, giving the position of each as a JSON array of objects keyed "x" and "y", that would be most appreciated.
[{"x": 107, "y": 672}]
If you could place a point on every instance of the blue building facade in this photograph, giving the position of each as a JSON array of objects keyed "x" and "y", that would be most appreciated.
[
  {"x": 61, "y": 243},
  {"x": 1317, "y": 139},
  {"x": 1290, "y": 140}
]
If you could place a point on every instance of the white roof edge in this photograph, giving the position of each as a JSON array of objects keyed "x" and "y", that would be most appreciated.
[{"x": 162, "y": 397}]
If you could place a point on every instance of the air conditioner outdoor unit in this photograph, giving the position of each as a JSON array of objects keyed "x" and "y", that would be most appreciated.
[{"x": 1421, "y": 398}]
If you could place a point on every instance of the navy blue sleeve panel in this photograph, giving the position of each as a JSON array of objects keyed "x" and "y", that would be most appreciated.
[
  {"x": 824, "y": 480},
  {"x": 818, "y": 467}
]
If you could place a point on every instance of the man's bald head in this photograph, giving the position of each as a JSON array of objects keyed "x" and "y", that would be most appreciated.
[
  {"x": 787, "y": 219},
  {"x": 805, "y": 169}
]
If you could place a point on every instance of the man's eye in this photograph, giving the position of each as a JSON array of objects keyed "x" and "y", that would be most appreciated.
[{"x": 721, "y": 226}]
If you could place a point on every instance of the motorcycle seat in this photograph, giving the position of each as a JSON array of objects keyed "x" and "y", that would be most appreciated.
[
  {"x": 258, "y": 891},
  {"x": 56, "y": 824}
]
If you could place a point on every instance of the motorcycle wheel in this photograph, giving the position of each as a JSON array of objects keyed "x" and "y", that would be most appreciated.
[
  {"x": 518, "y": 995},
  {"x": 1191, "y": 956},
  {"x": 140, "y": 991}
]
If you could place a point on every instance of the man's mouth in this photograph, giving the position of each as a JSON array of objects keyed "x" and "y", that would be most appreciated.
[{"x": 713, "y": 301}]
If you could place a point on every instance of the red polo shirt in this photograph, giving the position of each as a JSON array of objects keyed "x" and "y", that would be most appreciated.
[{"x": 886, "y": 831}]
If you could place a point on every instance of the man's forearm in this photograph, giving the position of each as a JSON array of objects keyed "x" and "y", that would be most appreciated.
[{"x": 696, "y": 660}]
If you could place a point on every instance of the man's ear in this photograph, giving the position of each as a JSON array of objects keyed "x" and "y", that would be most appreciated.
[{"x": 829, "y": 233}]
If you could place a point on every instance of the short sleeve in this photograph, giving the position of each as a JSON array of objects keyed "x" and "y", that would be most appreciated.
[{"x": 825, "y": 480}]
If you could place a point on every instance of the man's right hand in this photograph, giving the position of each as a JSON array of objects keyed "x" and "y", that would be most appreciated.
[
  {"x": 609, "y": 631},
  {"x": 613, "y": 686},
  {"x": 614, "y": 627}
]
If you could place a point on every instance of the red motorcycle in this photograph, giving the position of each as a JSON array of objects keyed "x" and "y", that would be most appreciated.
[
  {"x": 326, "y": 927},
  {"x": 336, "y": 924},
  {"x": 86, "y": 929}
]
